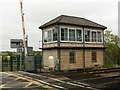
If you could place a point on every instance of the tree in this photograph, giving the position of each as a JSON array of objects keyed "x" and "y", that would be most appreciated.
[{"x": 112, "y": 48}]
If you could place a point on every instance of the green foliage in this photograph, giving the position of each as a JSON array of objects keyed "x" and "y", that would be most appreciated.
[{"x": 112, "y": 49}]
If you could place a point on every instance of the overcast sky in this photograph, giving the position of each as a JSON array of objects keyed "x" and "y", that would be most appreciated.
[{"x": 38, "y": 12}]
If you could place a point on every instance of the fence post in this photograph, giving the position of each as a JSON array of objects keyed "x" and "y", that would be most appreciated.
[
  {"x": 18, "y": 62},
  {"x": 35, "y": 62},
  {"x": 11, "y": 63}
]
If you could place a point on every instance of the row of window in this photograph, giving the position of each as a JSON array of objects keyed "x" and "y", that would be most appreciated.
[
  {"x": 73, "y": 35},
  {"x": 50, "y": 35},
  {"x": 72, "y": 58},
  {"x": 93, "y": 36}
]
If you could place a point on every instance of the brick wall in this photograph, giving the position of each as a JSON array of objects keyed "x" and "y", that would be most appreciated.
[
  {"x": 46, "y": 54},
  {"x": 66, "y": 65}
]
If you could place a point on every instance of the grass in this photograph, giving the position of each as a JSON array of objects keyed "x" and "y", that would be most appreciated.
[{"x": 110, "y": 65}]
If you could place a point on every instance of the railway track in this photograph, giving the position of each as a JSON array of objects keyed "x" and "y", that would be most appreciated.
[
  {"x": 88, "y": 71},
  {"x": 90, "y": 80},
  {"x": 54, "y": 82},
  {"x": 87, "y": 81}
]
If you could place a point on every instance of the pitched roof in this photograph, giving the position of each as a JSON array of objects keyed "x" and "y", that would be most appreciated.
[{"x": 64, "y": 19}]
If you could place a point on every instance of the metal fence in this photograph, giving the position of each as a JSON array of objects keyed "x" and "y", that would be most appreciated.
[{"x": 14, "y": 63}]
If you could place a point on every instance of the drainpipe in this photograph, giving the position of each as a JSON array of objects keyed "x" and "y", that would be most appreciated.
[
  {"x": 58, "y": 43},
  {"x": 42, "y": 61},
  {"x": 104, "y": 46},
  {"x": 83, "y": 48}
]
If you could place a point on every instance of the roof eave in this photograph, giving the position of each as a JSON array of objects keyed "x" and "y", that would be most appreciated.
[
  {"x": 102, "y": 27},
  {"x": 44, "y": 26}
]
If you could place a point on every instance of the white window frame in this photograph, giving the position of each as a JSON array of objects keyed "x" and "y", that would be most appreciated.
[
  {"x": 101, "y": 36},
  {"x": 67, "y": 33},
  {"x": 44, "y": 36},
  {"x": 46, "y": 30},
  {"x": 47, "y": 36},
  {"x": 81, "y": 36},
  {"x": 84, "y": 35},
  {"x": 91, "y": 35},
  {"x": 96, "y": 36},
  {"x": 52, "y": 34},
  {"x": 60, "y": 34},
  {"x": 75, "y": 34}
]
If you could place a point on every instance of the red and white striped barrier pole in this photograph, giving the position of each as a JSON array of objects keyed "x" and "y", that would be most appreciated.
[
  {"x": 23, "y": 27},
  {"x": 24, "y": 34}
]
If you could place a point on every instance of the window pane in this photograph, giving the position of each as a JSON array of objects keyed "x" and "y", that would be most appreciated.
[
  {"x": 54, "y": 35},
  {"x": 87, "y": 36},
  {"x": 93, "y": 36},
  {"x": 99, "y": 34},
  {"x": 49, "y": 35},
  {"x": 71, "y": 35},
  {"x": 72, "y": 57},
  {"x": 45, "y": 36},
  {"x": 64, "y": 34},
  {"x": 94, "y": 56},
  {"x": 78, "y": 35}
]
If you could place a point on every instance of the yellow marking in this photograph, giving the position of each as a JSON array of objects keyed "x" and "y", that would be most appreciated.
[
  {"x": 17, "y": 78},
  {"x": 46, "y": 86},
  {"x": 3, "y": 86},
  {"x": 30, "y": 81},
  {"x": 37, "y": 83},
  {"x": 29, "y": 84},
  {"x": 34, "y": 82}
]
